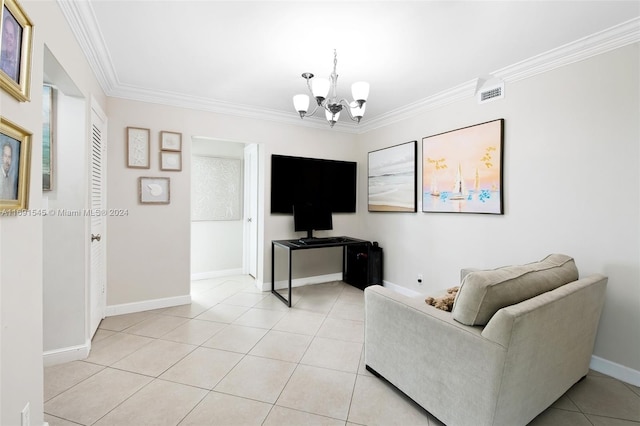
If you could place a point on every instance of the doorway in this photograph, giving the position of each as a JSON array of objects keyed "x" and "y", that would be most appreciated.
[
  {"x": 67, "y": 270},
  {"x": 224, "y": 229}
]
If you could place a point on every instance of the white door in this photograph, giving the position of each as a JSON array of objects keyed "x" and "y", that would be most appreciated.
[
  {"x": 98, "y": 219},
  {"x": 251, "y": 209}
]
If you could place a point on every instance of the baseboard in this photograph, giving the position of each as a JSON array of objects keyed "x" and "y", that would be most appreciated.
[
  {"x": 299, "y": 282},
  {"x": 617, "y": 371},
  {"x": 60, "y": 356},
  {"x": 147, "y": 305},
  {"x": 215, "y": 274}
]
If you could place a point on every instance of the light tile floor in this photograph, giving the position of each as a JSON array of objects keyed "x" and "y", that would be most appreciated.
[{"x": 238, "y": 356}]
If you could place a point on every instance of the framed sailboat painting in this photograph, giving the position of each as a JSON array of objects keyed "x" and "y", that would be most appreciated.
[{"x": 462, "y": 170}]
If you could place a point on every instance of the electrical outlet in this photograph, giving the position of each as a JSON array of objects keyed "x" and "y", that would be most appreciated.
[
  {"x": 25, "y": 416},
  {"x": 419, "y": 279}
]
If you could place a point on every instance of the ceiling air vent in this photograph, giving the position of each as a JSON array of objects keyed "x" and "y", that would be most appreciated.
[{"x": 488, "y": 94}]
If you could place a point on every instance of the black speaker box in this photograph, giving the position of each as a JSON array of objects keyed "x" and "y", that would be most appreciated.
[{"x": 363, "y": 265}]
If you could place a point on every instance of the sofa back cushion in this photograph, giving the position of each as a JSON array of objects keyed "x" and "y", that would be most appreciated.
[{"x": 483, "y": 293}]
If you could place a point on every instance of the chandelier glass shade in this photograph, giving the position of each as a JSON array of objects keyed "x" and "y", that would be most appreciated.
[{"x": 325, "y": 93}]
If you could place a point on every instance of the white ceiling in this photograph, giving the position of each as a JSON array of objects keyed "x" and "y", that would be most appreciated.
[{"x": 246, "y": 58}]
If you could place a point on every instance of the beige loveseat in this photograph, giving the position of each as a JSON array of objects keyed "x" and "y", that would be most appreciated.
[{"x": 518, "y": 338}]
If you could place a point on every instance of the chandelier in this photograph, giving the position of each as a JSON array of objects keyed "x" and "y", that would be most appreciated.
[{"x": 324, "y": 90}]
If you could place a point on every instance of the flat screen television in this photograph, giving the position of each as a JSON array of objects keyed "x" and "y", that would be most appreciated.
[
  {"x": 309, "y": 218},
  {"x": 319, "y": 182}
]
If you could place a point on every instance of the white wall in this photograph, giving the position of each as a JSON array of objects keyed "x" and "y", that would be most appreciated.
[
  {"x": 149, "y": 250},
  {"x": 571, "y": 185},
  {"x": 216, "y": 245},
  {"x": 21, "y": 238},
  {"x": 64, "y": 235}
]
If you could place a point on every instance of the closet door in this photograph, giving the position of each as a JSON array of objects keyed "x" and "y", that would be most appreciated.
[{"x": 98, "y": 221}]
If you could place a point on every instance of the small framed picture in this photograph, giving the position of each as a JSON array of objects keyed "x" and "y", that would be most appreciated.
[
  {"x": 48, "y": 135},
  {"x": 16, "y": 48},
  {"x": 154, "y": 190},
  {"x": 170, "y": 161},
  {"x": 15, "y": 144},
  {"x": 138, "y": 148},
  {"x": 170, "y": 141}
]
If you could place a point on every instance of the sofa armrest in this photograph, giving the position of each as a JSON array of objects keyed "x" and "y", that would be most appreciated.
[
  {"x": 551, "y": 334},
  {"x": 435, "y": 360}
]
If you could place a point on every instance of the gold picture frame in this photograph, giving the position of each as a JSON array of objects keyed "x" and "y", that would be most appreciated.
[
  {"x": 15, "y": 168},
  {"x": 138, "y": 148},
  {"x": 170, "y": 141},
  {"x": 154, "y": 190},
  {"x": 16, "y": 45}
]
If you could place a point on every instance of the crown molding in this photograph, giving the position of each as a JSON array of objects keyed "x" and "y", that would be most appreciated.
[
  {"x": 612, "y": 38},
  {"x": 83, "y": 24},
  {"x": 219, "y": 107},
  {"x": 81, "y": 19},
  {"x": 438, "y": 100}
]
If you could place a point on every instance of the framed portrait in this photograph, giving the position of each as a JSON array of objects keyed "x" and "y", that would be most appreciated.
[
  {"x": 48, "y": 131},
  {"x": 15, "y": 50},
  {"x": 138, "y": 148},
  {"x": 170, "y": 141},
  {"x": 462, "y": 170},
  {"x": 392, "y": 179},
  {"x": 154, "y": 190},
  {"x": 15, "y": 143},
  {"x": 170, "y": 161}
]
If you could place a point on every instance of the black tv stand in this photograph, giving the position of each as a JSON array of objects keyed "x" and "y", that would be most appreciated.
[
  {"x": 313, "y": 243},
  {"x": 324, "y": 242}
]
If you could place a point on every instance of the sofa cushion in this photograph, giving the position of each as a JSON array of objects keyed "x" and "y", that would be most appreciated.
[{"x": 483, "y": 293}]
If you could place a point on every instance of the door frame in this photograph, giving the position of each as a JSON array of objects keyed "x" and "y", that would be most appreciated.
[{"x": 251, "y": 218}]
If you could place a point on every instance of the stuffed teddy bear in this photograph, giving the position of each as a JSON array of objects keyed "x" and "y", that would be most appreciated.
[{"x": 444, "y": 302}]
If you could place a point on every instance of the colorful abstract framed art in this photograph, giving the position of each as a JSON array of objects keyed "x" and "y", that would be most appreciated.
[{"x": 462, "y": 170}]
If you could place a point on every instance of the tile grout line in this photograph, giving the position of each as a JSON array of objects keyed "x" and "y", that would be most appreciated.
[
  {"x": 325, "y": 317},
  {"x": 244, "y": 356},
  {"x": 156, "y": 378},
  {"x": 298, "y": 365}
]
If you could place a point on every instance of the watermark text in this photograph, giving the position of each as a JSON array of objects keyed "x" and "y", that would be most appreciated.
[{"x": 65, "y": 212}]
